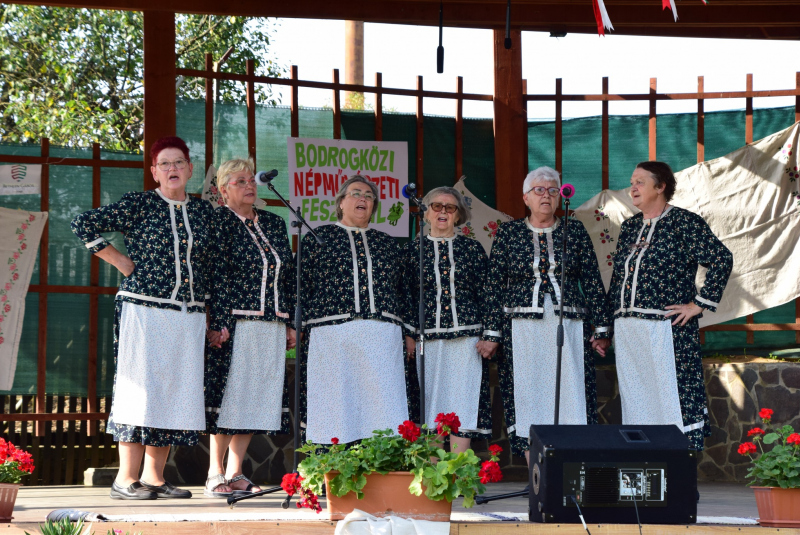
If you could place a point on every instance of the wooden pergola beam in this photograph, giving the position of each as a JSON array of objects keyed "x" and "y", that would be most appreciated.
[{"x": 741, "y": 19}]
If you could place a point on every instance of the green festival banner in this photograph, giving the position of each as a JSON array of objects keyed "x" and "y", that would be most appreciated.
[{"x": 317, "y": 167}]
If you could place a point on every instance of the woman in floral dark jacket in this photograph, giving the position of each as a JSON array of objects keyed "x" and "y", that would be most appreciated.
[
  {"x": 454, "y": 268},
  {"x": 524, "y": 291},
  {"x": 352, "y": 324},
  {"x": 160, "y": 321},
  {"x": 253, "y": 293},
  {"x": 659, "y": 250}
]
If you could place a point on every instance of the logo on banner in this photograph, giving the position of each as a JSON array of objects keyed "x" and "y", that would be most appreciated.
[
  {"x": 18, "y": 172},
  {"x": 318, "y": 168},
  {"x": 20, "y": 179}
]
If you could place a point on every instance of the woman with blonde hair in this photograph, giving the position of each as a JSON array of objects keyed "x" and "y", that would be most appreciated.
[
  {"x": 454, "y": 268},
  {"x": 250, "y": 327}
]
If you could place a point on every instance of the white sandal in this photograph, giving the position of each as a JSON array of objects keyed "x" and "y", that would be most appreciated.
[
  {"x": 213, "y": 483},
  {"x": 240, "y": 492}
]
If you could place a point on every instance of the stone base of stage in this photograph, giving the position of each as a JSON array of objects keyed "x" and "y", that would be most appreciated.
[{"x": 724, "y": 507}]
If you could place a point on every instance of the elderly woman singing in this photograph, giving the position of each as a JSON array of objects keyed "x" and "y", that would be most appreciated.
[
  {"x": 524, "y": 291},
  {"x": 657, "y": 305},
  {"x": 454, "y": 268},
  {"x": 253, "y": 293},
  {"x": 352, "y": 324},
  {"x": 160, "y": 320}
]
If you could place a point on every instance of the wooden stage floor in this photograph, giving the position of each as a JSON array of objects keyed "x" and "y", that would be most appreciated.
[{"x": 264, "y": 514}]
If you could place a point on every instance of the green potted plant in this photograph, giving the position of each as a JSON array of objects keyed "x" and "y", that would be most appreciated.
[
  {"x": 14, "y": 464},
  {"x": 404, "y": 474},
  {"x": 775, "y": 473}
]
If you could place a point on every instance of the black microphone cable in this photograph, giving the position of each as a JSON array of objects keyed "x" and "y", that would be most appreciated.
[
  {"x": 635, "y": 507},
  {"x": 580, "y": 515}
]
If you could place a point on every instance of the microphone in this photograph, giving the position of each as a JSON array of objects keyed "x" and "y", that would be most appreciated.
[
  {"x": 567, "y": 191},
  {"x": 409, "y": 190},
  {"x": 263, "y": 178}
]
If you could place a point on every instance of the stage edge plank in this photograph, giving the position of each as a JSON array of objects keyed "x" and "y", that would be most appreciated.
[{"x": 463, "y": 528}]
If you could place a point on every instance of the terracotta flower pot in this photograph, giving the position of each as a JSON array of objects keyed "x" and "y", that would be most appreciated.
[
  {"x": 8, "y": 495},
  {"x": 777, "y": 507},
  {"x": 387, "y": 495}
]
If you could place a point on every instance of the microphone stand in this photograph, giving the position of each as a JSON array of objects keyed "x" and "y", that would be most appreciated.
[
  {"x": 559, "y": 348},
  {"x": 298, "y": 224},
  {"x": 420, "y": 214}
]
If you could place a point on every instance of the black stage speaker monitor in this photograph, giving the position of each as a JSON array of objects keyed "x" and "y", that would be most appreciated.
[{"x": 606, "y": 468}]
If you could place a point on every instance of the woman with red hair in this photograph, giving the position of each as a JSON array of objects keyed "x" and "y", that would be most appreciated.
[{"x": 160, "y": 320}]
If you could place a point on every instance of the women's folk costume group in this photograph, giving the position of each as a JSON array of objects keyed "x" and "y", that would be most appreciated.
[{"x": 218, "y": 285}]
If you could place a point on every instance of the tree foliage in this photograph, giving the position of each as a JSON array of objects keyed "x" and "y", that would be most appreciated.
[{"x": 76, "y": 75}]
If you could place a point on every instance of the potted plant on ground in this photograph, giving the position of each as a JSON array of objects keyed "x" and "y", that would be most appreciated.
[
  {"x": 406, "y": 474},
  {"x": 14, "y": 463},
  {"x": 775, "y": 472}
]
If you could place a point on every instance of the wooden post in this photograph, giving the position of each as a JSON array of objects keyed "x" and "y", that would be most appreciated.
[
  {"x": 209, "y": 114},
  {"x": 525, "y": 126},
  {"x": 420, "y": 138},
  {"x": 796, "y": 119},
  {"x": 94, "y": 280},
  {"x": 559, "y": 125},
  {"x": 459, "y": 129},
  {"x": 701, "y": 121},
  {"x": 651, "y": 153},
  {"x": 159, "y": 83},
  {"x": 379, "y": 106},
  {"x": 251, "y": 109},
  {"x": 748, "y": 113},
  {"x": 337, "y": 107},
  {"x": 510, "y": 146},
  {"x": 604, "y": 128},
  {"x": 41, "y": 361},
  {"x": 294, "y": 105}
]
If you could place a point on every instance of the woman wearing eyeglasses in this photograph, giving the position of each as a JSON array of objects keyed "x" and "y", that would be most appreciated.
[
  {"x": 160, "y": 319},
  {"x": 454, "y": 268},
  {"x": 524, "y": 291},
  {"x": 250, "y": 328},
  {"x": 656, "y": 305},
  {"x": 354, "y": 376}
]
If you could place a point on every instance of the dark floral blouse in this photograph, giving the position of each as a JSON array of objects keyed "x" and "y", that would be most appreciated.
[
  {"x": 355, "y": 274},
  {"x": 168, "y": 242},
  {"x": 454, "y": 271},
  {"x": 253, "y": 271},
  {"x": 525, "y": 264},
  {"x": 656, "y": 263}
]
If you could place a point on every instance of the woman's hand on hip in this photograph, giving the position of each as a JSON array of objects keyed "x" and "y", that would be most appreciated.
[
  {"x": 291, "y": 338},
  {"x": 683, "y": 313},
  {"x": 600, "y": 345},
  {"x": 411, "y": 347},
  {"x": 120, "y": 261},
  {"x": 487, "y": 349}
]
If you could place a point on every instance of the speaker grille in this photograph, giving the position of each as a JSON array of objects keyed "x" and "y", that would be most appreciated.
[{"x": 602, "y": 485}]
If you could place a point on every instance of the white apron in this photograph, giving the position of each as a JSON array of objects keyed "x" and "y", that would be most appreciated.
[
  {"x": 535, "y": 352},
  {"x": 160, "y": 368},
  {"x": 356, "y": 380},
  {"x": 253, "y": 396},
  {"x": 453, "y": 373},
  {"x": 648, "y": 385}
]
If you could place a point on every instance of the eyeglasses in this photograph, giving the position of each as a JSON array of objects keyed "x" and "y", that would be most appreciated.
[
  {"x": 449, "y": 208},
  {"x": 539, "y": 190},
  {"x": 166, "y": 166},
  {"x": 243, "y": 183},
  {"x": 369, "y": 197}
]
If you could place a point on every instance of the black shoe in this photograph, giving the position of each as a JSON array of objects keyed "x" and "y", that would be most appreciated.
[
  {"x": 167, "y": 490},
  {"x": 136, "y": 491}
]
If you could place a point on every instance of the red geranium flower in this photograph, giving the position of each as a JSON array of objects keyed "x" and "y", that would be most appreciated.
[
  {"x": 291, "y": 483},
  {"x": 794, "y": 438},
  {"x": 409, "y": 431},
  {"x": 755, "y": 431},
  {"x": 747, "y": 448},
  {"x": 490, "y": 472},
  {"x": 334, "y": 441},
  {"x": 447, "y": 423},
  {"x": 765, "y": 414},
  {"x": 495, "y": 450},
  {"x": 309, "y": 500}
]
